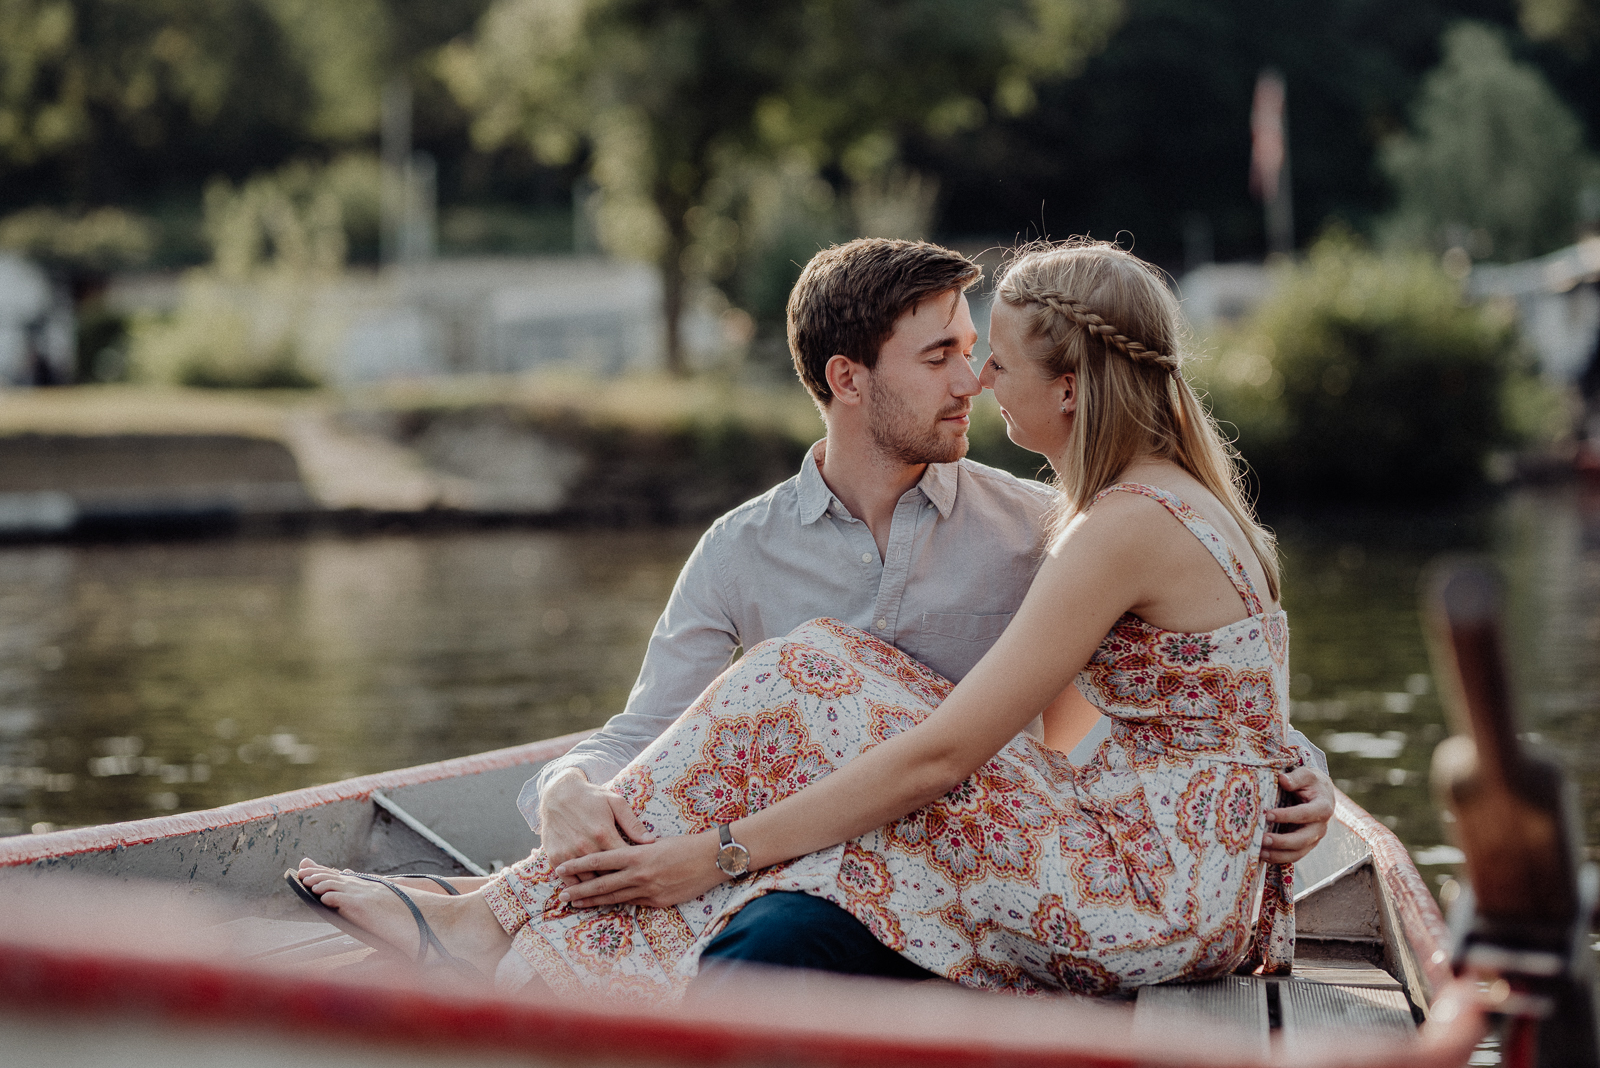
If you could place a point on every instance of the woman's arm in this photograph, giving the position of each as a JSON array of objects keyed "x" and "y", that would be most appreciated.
[{"x": 1091, "y": 576}]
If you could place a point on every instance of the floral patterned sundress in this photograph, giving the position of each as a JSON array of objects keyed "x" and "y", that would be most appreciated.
[{"x": 1141, "y": 866}]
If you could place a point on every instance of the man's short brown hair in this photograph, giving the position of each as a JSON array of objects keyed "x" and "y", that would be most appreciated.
[{"x": 850, "y": 296}]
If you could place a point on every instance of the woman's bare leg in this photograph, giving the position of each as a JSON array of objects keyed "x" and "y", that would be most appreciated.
[{"x": 463, "y": 924}]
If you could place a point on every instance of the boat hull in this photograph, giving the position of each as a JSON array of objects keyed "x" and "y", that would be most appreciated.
[{"x": 126, "y": 943}]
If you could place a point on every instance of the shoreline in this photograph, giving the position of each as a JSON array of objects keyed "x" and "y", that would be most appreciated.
[{"x": 94, "y": 463}]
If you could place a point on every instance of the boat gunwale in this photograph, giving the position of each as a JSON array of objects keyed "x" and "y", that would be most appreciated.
[
  {"x": 26, "y": 849},
  {"x": 1422, "y": 925}
]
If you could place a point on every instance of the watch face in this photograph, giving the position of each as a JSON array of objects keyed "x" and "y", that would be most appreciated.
[{"x": 733, "y": 859}]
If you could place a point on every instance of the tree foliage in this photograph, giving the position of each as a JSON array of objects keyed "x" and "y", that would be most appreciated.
[
  {"x": 667, "y": 98},
  {"x": 1573, "y": 23},
  {"x": 103, "y": 101},
  {"x": 1495, "y": 153},
  {"x": 1366, "y": 376}
]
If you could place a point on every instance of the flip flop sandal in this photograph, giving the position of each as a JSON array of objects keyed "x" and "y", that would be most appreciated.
[
  {"x": 428, "y": 939},
  {"x": 443, "y": 883}
]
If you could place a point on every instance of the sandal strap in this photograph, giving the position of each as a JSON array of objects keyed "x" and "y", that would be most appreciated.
[
  {"x": 444, "y": 884},
  {"x": 428, "y": 938}
]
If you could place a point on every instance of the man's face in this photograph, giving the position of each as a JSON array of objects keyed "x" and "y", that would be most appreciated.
[{"x": 919, "y": 396}]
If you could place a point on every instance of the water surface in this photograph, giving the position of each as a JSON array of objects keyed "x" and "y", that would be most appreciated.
[{"x": 142, "y": 679}]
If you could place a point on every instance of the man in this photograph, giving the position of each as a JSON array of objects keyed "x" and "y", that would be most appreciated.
[{"x": 887, "y": 528}]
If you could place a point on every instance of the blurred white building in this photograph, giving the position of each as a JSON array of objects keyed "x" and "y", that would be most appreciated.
[
  {"x": 1222, "y": 293},
  {"x": 38, "y": 335},
  {"x": 490, "y": 315},
  {"x": 1558, "y": 304}
]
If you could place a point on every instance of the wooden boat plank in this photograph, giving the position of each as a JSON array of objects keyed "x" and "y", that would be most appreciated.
[
  {"x": 1308, "y": 1008},
  {"x": 1235, "y": 1002},
  {"x": 1348, "y": 973}
]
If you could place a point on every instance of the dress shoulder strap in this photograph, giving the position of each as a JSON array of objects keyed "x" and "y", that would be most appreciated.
[{"x": 1202, "y": 529}]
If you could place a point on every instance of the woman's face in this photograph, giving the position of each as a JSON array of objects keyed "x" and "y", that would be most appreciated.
[{"x": 1030, "y": 403}]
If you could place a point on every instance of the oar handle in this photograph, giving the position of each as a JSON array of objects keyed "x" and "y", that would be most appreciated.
[
  {"x": 1509, "y": 805},
  {"x": 1464, "y": 605}
]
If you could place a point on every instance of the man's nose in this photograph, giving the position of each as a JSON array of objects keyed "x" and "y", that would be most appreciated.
[{"x": 966, "y": 383}]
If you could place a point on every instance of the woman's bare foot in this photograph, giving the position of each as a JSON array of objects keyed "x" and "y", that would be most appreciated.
[
  {"x": 464, "y": 884},
  {"x": 464, "y": 925}
]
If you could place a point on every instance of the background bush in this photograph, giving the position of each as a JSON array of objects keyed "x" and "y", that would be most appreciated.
[{"x": 1366, "y": 377}]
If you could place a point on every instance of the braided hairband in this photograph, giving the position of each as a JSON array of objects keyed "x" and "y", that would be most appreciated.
[{"x": 1094, "y": 325}]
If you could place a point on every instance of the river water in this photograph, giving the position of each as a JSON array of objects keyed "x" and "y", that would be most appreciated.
[{"x": 141, "y": 679}]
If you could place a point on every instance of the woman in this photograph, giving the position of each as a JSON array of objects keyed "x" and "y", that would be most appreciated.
[{"x": 832, "y": 764}]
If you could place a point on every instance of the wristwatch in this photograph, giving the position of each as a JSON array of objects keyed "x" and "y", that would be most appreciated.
[{"x": 732, "y": 858}]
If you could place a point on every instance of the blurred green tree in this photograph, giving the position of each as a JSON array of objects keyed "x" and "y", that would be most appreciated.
[
  {"x": 88, "y": 74},
  {"x": 667, "y": 96},
  {"x": 1573, "y": 23},
  {"x": 112, "y": 101},
  {"x": 1496, "y": 160},
  {"x": 1366, "y": 377}
]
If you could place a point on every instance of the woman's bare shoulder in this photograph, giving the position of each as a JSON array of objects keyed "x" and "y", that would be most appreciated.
[{"x": 1122, "y": 523}]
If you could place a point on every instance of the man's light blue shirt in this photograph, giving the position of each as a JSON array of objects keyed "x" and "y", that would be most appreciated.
[{"x": 964, "y": 545}]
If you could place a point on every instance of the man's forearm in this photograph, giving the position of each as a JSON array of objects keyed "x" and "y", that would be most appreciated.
[
  {"x": 599, "y": 757},
  {"x": 689, "y": 647}
]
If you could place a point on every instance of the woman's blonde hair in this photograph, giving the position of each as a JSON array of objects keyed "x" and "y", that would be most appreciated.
[{"x": 1109, "y": 319}]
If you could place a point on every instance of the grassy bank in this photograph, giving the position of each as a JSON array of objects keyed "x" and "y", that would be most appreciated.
[{"x": 615, "y": 452}]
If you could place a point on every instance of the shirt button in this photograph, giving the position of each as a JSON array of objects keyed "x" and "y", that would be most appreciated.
[
  {"x": 882, "y": 623},
  {"x": 866, "y": 558}
]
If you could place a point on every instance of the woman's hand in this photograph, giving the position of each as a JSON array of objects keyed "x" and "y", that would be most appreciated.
[
  {"x": 1304, "y": 824},
  {"x": 666, "y": 872}
]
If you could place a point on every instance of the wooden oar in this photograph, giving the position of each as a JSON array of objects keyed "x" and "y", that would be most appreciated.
[{"x": 1526, "y": 917}]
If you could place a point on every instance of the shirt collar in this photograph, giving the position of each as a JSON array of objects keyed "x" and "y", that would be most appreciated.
[
  {"x": 938, "y": 484},
  {"x": 815, "y": 496}
]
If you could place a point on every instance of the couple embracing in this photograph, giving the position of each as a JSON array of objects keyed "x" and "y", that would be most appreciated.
[{"x": 881, "y": 784}]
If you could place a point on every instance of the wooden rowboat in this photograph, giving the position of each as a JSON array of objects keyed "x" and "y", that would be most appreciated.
[{"x": 175, "y": 937}]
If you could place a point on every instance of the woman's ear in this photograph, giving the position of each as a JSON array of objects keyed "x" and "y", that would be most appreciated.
[
  {"x": 1067, "y": 386},
  {"x": 846, "y": 379}
]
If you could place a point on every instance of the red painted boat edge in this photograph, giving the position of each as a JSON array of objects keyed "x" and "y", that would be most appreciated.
[
  {"x": 28, "y": 849},
  {"x": 1421, "y": 921}
]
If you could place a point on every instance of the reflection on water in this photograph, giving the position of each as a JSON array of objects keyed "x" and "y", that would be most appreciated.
[
  {"x": 1362, "y": 688},
  {"x": 136, "y": 680}
]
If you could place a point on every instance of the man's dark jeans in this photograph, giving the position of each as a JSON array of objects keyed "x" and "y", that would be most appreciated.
[{"x": 801, "y": 931}]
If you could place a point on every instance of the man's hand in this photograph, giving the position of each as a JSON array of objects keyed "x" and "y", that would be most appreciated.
[
  {"x": 577, "y": 818},
  {"x": 1306, "y": 822}
]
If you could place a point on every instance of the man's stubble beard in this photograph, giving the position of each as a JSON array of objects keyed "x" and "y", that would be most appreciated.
[{"x": 903, "y": 436}]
